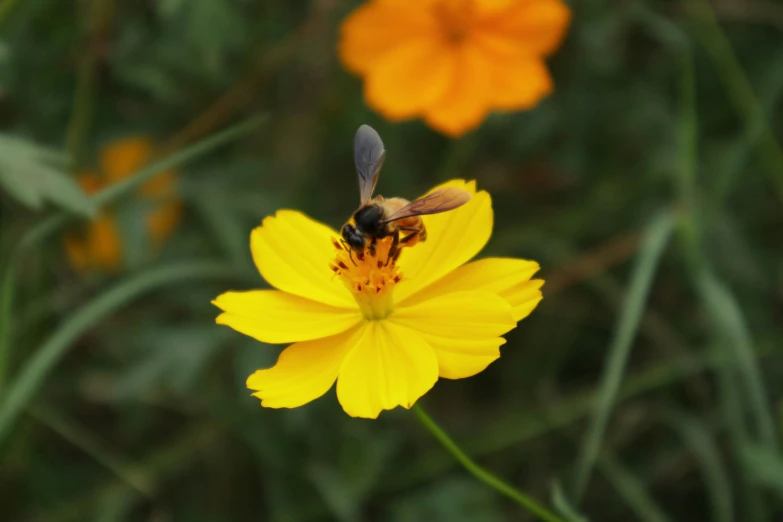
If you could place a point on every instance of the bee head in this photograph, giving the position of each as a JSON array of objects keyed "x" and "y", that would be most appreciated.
[{"x": 354, "y": 239}]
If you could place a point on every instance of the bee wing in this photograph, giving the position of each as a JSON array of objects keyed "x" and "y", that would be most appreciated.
[
  {"x": 436, "y": 202},
  {"x": 368, "y": 154}
]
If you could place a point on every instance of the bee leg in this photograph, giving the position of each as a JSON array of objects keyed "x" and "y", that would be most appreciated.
[
  {"x": 413, "y": 233},
  {"x": 350, "y": 252},
  {"x": 372, "y": 246},
  {"x": 394, "y": 247}
]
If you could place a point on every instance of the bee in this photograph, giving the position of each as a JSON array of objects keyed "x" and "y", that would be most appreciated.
[{"x": 379, "y": 217}]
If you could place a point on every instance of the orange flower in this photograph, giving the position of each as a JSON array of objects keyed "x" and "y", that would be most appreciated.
[
  {"x": 453, "y": 61},
  {"x": 100, "y": 246}
]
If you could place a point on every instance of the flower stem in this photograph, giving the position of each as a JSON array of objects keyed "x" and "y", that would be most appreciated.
[{"x": 480, "y": 473}]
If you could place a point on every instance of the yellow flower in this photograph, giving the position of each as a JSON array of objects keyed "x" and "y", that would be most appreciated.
[
  {"x": 453, "y": 61},
  {"x": 100, "y": 245},
  {"x": 385, "y": 333}
]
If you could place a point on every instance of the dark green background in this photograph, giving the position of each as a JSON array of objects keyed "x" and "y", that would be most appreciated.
[{"x": 660, "y": 137}]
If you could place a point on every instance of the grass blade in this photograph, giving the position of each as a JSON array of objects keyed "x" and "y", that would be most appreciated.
[
  {"x": 563, "y": 506},
  {"x": 655, "y": 241},
  {"x": 104, "y": 197},
  {"x": 159, "y": 465},
  {"x": 698, "y": 439},
  {"x": 117, "y": 190},
  {"x": 632, "y": 490},
  {"x": 84, "y": 440},
  {"x": 33, "y": 373},
  {"x": 751, "y": 499},
  {"x": 518, "y": 428},
  {"x": 729, "y": 322},
  {"x": 739, "y": 89}
]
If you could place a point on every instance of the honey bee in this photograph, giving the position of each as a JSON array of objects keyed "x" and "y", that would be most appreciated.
[{"x": 379, "y": 217}]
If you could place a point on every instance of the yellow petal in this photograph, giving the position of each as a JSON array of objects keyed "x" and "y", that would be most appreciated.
[
  {"x": 304, "y": 371},
  {"x": 467, "y": 101},
  {"x": 275, "y": 317},
  {"x": 293, "y": 254},
  {"x": 375, "y": 29},
  {"x": 123, "y": 157},
  {"x": 409, "y": 79},
  {"x": 529, "y": 28},
  {"x": 462, "y": 358},
  {"x": 390, "y": 366},
  {"x": 463, "y": 328},
  {"x": 509, "y": 278},
  {"x": 524, "y": 297},
  {"x": 453, "y": 238}
]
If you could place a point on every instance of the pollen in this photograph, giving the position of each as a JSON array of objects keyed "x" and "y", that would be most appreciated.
[{"x": 370, "y": 277}]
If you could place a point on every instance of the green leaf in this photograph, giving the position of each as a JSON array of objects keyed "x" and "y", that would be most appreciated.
[{"x": 30, "y": 174}]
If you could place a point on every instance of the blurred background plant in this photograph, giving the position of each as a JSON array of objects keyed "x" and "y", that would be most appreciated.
[{"x": 646, "y": 386}]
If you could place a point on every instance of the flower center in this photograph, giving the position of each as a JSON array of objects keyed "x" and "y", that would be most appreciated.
[
  {"x": 370, "y": 278},
  {"x": 455, "y": 18}
]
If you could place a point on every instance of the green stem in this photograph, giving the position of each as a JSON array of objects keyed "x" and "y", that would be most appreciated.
[{"x": 480, "y": 473}]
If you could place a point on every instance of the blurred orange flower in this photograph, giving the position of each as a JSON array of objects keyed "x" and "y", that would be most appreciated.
[
  {"x": 100, "y": 245},
  {"x": 453, "y": 61}
]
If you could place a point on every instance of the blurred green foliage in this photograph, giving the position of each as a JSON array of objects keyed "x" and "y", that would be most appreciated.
[{"x": 646, "y": 386}]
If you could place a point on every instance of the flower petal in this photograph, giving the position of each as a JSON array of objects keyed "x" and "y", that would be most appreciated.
[
  {"x": 509, "y": 278},
  {"x": 484, "y": 7},
  {"x": 519, "y": 85},
  {"x": 408, "y": 80},
  {"x": 293, "y": 253},
  {"x": 162, "y": 221},
  {"x": 376, "y": 28},
  {"x": 76, "y": 251},
  {"x": 467, "y": 101},
  {"x": 524, "y": 297},
  {"x": 463, "y": 328},
  {"x": 390, "y": 366},
  {"x": 529, "y": 28},
  {"x": 123, "y": 157},
  {"x": 304, "y": 371},
  {"x": 276, "y": 317},
  {"x": 462, "y": 358},
  {"x": 453, "y": 238},
  {"x": 104, "y": 242}
]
